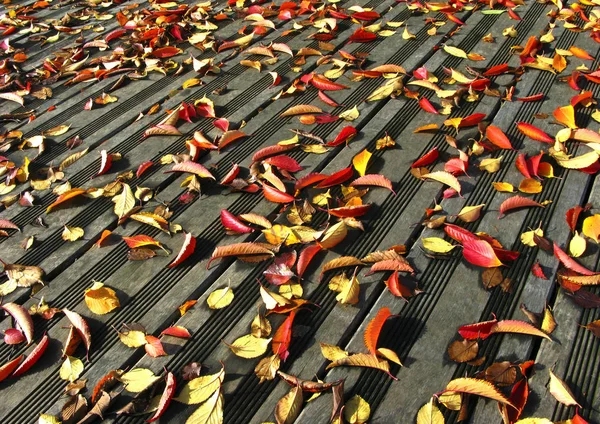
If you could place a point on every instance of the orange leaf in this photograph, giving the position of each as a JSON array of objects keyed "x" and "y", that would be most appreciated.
[
  {"x": 474, "y": 386},
  {"x": 64, "y": 197},
  {"x": 566, "y": 116},
  {"x": 301, "y": 110},
  {"x": 374, "y": 329},
  {"x": 534, "y": 133},
  {"x": 518, "y": 327},
  {"x": 497, "y": 137}
]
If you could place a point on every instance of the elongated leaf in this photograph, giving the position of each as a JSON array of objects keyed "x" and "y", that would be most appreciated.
[
  {"x": 373, "y": 180},
  {"x": 444, "y": 178},
  {"x": 81, "y": 326},
  {"x": 561, "y": 392},
  {"x": 534, "y": 133},
  {"x": 68, "y": 195},
  {"x": 570, "y": 263},
  {"x": 363, "y": 360},
  {"x": 301, "y": 110},
  {"x": 518, "y": 327},
  {"x": 517, "y": 202},
  {"x": 240, "y": 250},
  {"x": 22, "y": 318},
  {"x": 374, "y": 329},
  {"x": 474, "y": 386},
  {"x": 192, "y": 168}
]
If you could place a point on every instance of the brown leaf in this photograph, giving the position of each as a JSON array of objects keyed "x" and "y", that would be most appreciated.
[{"x": 463, "y": 350}]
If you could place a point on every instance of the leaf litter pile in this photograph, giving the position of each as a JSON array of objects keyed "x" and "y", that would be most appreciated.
[{"x": 318, "y": 192}]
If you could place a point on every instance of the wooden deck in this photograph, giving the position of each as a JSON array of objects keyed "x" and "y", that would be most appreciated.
[{"x": 421, "y": 328}]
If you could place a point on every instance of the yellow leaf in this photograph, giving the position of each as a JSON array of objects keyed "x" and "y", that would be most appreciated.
[
  {"x": 561, "y": 391},
  {"x": 406, "y": 35},
  {"x": 349, "y": 293},
  {"x": 318, "y": 149},
  {"x": 72, "y": 233},
  {"x": 350, "y": 114},
  {"x": 357, "y": 410},
  {"x": 220, "y": 298},
  {"x": 534, "y": 421},
  {"x": 333, "y": 353},
  {"x": 71, "y": 369},
  {"x": 470, "y": 213},
  {"x": 200, "y": 389},
  {"x": 509, "y": 32},
  {"x": 577, "y": 245},
  {"x": 289, "y": 406},
  {"x": 455, "y": 51},
  {"x": 101, "y": 299},
  {"x": 210, "y": 412},
  {"x": 267, "y": 368},
  {"x": 249, "y": 346},
  {"x": 192, "y": 82},
  {"x": 444, "y": 178},
  {"x": 133, "y": 338},
  {"x": 48, "y": 419},
  {"x": 527, "y": 237},
  {"x": 548, "y": 322},
  {"x": 530, "y": 186},
  {"x": 578, "y": 162},
  {"x": 430, "y": 414},
  {"x": 437, "y": 245},
  {"x": 124, "y": 202},
  {"x": 490, "y": 165},
  {"x": 261, "y": 327},
  {"x": 138, "y": 379},
  {"x": 360, "y": 162},
  {"x": 591, "y": 227},
  {"x": 322, "y": 199},
  {"x": 389, "y": 354},
  {"x": 428, "y": 127}
]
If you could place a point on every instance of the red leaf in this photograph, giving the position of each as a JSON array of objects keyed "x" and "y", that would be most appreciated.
[
  {"x": 229, "y": 137},
  {"x": 105, "y": 162},
  {"x": 516, "y": 202},
  {"x": 391, "y": 265},
  {"x": 471, "y": 120},
  {"x": 570, "y": 263},
  {"x": 369, "y": 15},
  {"x": 480, "y": 253},
  {"x": 309, "y": 179},
  {"x": 374, "y": 329},
  {"x": 427, "y": 106},
  {"x": 336, "y": 178},
  {"x": 284, "y": 162},
  {"x": 33, "y": 357},
  {"x": 572, "y": 216},
  {"x": 232, "y": 223},
  {"x": 349, "y": 211},
  {"x": 427, "y": 159},
  {"x": 165, "y": 52},
  {"x": 362, "y": 36},
  {"x": 458, "y": 233},
  {"x": 12, "y": 336},
  {"x": 176, "y": 331},
  {"x": 305, "y": 257},
  {"x": 521, "y": 164},
  {"x": 345, "y": 135},
  {"x": 496, "y": 70},
  {"x": 231, "y": 175},
  {"x": 188, "y": 247},
  {"x": 537, "y": 271},
  {"x": 6, "y": 224},
  {"x": 497, "y": 137},
  {"x": 327, "y": 100},
  {"x": 165, "y": 398},
  {"x": 283, "y": 337},
  {"x": 480, "y": 330},
  {"x": 323, "y": 84},
  {"x": 143, "y": 168}
]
